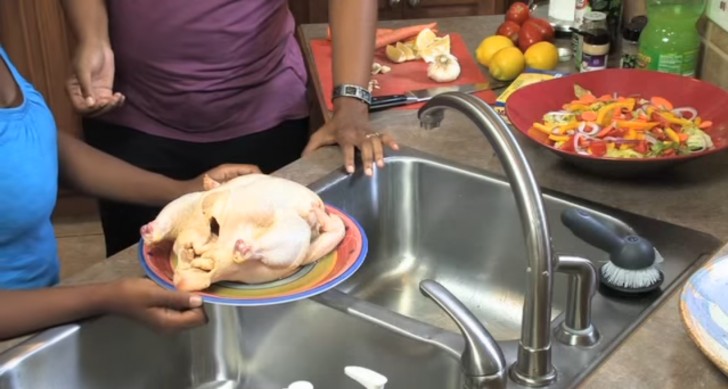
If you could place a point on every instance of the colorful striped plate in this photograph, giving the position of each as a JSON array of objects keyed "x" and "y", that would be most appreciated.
[
  {"x": 310, "y": 280},
  {"x": 704, "y": 310}
]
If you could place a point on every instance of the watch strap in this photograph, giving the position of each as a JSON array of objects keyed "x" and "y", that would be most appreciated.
[{"x": 354, "y": 91}]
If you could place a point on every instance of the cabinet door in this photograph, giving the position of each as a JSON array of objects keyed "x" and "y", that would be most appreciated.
[
  {"x": 35, "y": 36},
  {"x": 446, "y": 8},
  {"x": 390, "y": 9}
]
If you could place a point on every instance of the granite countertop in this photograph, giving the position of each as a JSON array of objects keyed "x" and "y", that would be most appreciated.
[{"x": 658, "y": 354}]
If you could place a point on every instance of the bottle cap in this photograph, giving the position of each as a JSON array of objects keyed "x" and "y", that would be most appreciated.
[{"x": 632, "y": 30}]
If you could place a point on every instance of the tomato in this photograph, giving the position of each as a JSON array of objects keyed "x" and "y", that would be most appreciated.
[
  {"x": 528, "y": 35},
  {"x": 518, "y": 12},
  {"x": 568, "y": 145},
  {"x": 544, "y": 27},
  {"x": 598, "y": 149},
  {"x": 641, "y": 147},
  {"x": 509, "y": 29}
]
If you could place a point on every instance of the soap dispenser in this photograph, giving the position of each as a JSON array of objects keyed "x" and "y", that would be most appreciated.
[{"x": 368, "y": 378}]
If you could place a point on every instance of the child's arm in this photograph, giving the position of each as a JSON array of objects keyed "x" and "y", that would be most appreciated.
[
  {"x": 27, "y": 311},
  {"x": 102, "y": 175}
]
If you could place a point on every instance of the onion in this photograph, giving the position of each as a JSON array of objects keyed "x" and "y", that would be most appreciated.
[
  {"x": 577, "y": 147},
  {"x": 594, "y": 128},
  {"x": 650, "y": 139},
  {"x": 683, "y": 110},
  {"x": 560, "y": 115}
]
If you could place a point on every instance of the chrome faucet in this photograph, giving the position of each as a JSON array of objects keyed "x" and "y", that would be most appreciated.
[
  {"x": 481, "y": 359},
  {"x": 533, "y": 366}
]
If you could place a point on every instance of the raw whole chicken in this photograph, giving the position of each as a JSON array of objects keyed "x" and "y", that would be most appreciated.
[{"x": 252, "y": 229}]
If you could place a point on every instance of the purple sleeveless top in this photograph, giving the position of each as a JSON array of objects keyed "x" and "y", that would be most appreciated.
[{"x": 206, "y": 70}]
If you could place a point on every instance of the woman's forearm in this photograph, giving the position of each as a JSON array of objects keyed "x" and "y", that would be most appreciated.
[
  {"x": 88, "y": 20},
  {"x": 353, "y": 29},
  {"x": 102, "y": 175},
  {"x": 24, "y": 312}
]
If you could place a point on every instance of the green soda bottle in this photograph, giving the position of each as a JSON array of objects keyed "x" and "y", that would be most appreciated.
[{"x": 670, "y": 42}]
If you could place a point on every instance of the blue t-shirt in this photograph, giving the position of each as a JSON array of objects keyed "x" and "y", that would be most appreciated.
[{"x": 28, "y": 189}]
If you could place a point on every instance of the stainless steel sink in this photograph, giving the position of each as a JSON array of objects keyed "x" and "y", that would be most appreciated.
[
  {"x": 255, "y": 348},
  {"x": 425, "y": 218}
]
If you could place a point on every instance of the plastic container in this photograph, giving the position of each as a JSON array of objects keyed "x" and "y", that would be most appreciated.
[{"x": 670, "y": 42}]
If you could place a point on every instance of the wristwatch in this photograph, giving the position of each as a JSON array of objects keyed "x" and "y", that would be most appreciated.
[{"x": 354, "y": 91}]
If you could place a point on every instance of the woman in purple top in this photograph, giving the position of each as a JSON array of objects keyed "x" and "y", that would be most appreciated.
[{"x": 179, "y": 86}]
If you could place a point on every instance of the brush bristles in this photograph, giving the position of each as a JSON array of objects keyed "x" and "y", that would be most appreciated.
[{"x": 633, "y": 279}]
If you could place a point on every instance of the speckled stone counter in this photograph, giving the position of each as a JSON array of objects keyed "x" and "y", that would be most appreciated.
[{"x": 658, "y": 354}]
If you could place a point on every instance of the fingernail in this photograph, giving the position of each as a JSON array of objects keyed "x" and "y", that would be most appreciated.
[
  {"x": 195, "y": 301},
  {"x": 380, "y": 163},
  {"x": 90, "y": 100},
  {"x": 369, "y": 171},
  {"x": 350, "y": 169}
]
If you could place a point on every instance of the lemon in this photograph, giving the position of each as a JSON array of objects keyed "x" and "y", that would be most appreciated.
[
  {"x": 542, "y": 56},
  {"x": 438, "y": 47},
  {"x": 491, "y": 45},
  {"x": 395, "y": 54},
  {"x": 507, "y": 64},
  {"x": 425, "y": 38},
  {"x": 409, "y": 52}
]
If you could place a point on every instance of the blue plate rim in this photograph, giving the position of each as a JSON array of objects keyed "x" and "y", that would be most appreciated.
[
  {"x": 274, "y": 300},
  {"x": 687, "y": 313}
]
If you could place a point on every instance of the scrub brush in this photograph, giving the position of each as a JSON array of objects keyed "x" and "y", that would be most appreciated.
[{"x": 631, "y": 268}]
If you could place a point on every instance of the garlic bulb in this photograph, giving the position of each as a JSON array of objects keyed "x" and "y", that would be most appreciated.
[{"x": 444, "y": 68}]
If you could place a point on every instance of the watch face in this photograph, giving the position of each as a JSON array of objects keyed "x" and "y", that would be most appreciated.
[{"x": 350, "y": 90}]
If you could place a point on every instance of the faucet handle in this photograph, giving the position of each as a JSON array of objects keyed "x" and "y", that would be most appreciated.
[
  {"x": 432, "y": 119},
  {"x": 482, "y": 360}
]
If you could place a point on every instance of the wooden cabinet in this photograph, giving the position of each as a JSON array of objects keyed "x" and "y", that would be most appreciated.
[
  {"x": 35, "y": 36},
  {"x": 412, "y": 9},
  {"x": 316, "y": 11}
]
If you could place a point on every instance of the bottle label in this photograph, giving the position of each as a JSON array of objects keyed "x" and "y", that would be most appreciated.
[
  {"x": 576, "y": 42},
  {"x": 591, "y": 62},
  {"x": 676, "y": 63},
  {"x": 628, "y": 61}
]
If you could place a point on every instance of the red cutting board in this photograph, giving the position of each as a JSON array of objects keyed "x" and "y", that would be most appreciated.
[{"x": 403, "y": 77}]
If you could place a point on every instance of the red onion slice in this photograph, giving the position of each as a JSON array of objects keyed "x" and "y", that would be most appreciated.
[
  {"x": 594, "y": 128},
  {"x": 680, "y": 112}
]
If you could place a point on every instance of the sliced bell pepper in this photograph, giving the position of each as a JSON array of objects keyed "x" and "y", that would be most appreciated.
[
  {"x": 604, "y": 116},
  {"x": 640, "y": 126},
  {"x": 672, "y": 135},
  {"x": 542, "y": 128},
  {"x": 670, "y": 118}
]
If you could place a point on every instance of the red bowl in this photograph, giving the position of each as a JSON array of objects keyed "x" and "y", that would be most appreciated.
[{"x": 528, "y": 105}]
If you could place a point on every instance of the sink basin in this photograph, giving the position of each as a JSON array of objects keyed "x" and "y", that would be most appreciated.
[
  {"x": 425, "y": 218},
  {"x": 251, "y": 348},
  {"x": 429, "y": 218}
]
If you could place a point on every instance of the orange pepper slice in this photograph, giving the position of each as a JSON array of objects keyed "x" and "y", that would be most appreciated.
[{"x": 640, "y": 126}]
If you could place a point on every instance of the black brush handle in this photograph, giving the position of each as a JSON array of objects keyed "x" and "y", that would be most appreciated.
[{"x": 631, "y": 252}]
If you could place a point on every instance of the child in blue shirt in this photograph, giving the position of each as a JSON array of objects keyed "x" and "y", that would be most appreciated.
[{"x": 32, "y": 152}]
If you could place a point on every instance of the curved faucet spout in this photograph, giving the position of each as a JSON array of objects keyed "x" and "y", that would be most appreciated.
[{"x": 533, "y": 366}]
